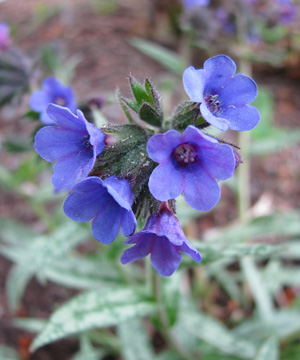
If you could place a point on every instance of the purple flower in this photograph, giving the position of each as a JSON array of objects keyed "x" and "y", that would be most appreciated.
[
  {"x": 190, "y": 4},
  {"x": 287, "y": 13},
  {"x": 53, "y": 91},
  {"x": 4, "y": 36},
  {"x": 223, "y": 96},
  {"x": 74, "y": 143},
  {"x": 107, "y": 202},
  {"x": 163, "y": 238},
  {"x": 189, "y": 163}
]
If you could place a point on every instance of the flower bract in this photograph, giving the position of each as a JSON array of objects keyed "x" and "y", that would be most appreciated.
[
  {"x": 224, "y": 97},
  {"x": 190, "y": 164},
  {"x": 74, "y": 143},
  {"x": 163, "y": 238},
  {"x": 107, "y": 202},
  {"x": 53, "y": 91}
]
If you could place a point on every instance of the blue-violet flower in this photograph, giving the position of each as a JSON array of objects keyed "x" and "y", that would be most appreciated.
[
  {"x": 189, "y": 163},
  {"x": 163, "y": 238},
  {"x": 74, "y": 143},
  {"x": 224, "y": 97},
  {"x": 190, "y": 4},
  {"x": 53, "y": 91},
  {"x": 108, "y": 202},
  {"x": 4, "y": 36}
]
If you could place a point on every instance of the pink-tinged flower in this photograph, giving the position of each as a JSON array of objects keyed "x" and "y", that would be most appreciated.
[
  {"x": 4, "y": 36},
  {"x": 74, "y": 143},
  {"x": 224, "y": 97},
  {"x": 163, "y": 238},
  {"x": 190, "y": 164}
]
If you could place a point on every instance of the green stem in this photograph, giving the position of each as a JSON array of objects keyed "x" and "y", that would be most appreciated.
[{"x": 165, "y": 327}]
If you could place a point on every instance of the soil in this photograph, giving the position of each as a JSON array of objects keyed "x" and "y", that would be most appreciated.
[{"x": 100, "y": 42}]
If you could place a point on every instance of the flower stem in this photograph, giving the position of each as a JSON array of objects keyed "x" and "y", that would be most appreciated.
[{"x": 165, "y": 327}]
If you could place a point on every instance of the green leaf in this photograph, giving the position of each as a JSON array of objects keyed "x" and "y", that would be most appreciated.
[
  {"x": 277, "y": 224},
  {"x": 284, "y": 324},
  {"x": 269, "y": 350},
  {"x": 213, "y": 332},
  {"x": 259, "y": 291},
  {"x": 165, "y": 57},
  {"x": 87, "y": 351},
  {"x": 30, "y": 324},
  {"x": 13, "y": 232},
  {"x": 7, "y": 353},
  {"x": 81, "y": 273},
  {"x": 95, "y": 309},
  {"x": 16, "y": 283},
  {"x": 279, "y": 140},
  {"x": 216, "y": 251},
  {"x": 135, "y": 342},
  {"x": 43, "y": 250},
  {"x": 171, "y": 295}
]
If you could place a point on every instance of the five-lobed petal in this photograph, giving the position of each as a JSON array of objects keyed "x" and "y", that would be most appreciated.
[
  {"x": 190, "y": 165},
  {"x": 73, "y": 143},
  {"x": 107, "y": 203},
  {"x": 224, "y": 97},
  {"x": 163, "y": 238}
]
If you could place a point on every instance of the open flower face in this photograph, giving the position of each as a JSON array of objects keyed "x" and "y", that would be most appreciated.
[
  {"x": 224, "y": 98},
  {"x": 190, "y": 164}
]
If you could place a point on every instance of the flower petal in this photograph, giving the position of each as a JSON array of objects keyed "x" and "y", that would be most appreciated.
[
  {"x": 142, "y": 248},
  {"x": 164, "y": 257},
  {"x": 218, "y": 122},
  {"x": 63, "y": 117},
  {"x": 160, "y": 146},
  {"x": 241, "y": 117},
  {"x": 106, "y": 224},
  {"x": 202, "y": 192},
  {"x": 72, "y": 168},
  {"x": 120, "y": 190},
  {"x": 166, "y": 182},
  {"x": 39, "y": 100},
  {"x": 218, "y": 162},
  {"x": 240, "y": 90},
  {"x": 194, "y": 82},
  {"x": 52, "y": 142},
  {"x": 218, "y": 70},
  {"x": 128, "y": 222},
  {"x": 86, "y": 200},
  {"x": 189, "y": 249}
]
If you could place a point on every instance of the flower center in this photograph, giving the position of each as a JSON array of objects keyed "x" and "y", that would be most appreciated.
[
  {"x": 185, "y": 154},
  {"x": 213, "y": 103},
  {"x": 86, "y": 141},
  {"x": 60, "y": 101}
]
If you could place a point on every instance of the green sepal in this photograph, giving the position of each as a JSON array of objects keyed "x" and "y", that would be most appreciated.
[
  {"x": 123, "y": 104},
  {"x": 187, "y": 114},
  {"x": 150, "y": 115},
  {"x": 140, "y": 93},
  {"x": 132, "y": 104}
]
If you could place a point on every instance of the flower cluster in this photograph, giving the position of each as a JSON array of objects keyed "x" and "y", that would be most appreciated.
[{"x": 118, "y": 173}]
